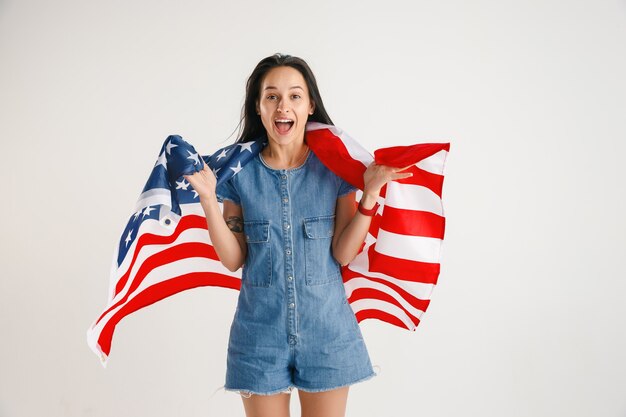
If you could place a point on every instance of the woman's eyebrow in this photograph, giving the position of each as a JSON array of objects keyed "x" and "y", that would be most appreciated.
[{"x": 291, "y": 88}]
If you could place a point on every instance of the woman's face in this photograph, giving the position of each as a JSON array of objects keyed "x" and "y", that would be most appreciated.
[{"x": 284, "y": 105}]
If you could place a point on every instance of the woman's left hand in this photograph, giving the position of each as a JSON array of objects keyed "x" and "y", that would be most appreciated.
[{"x": 376, "y": 176}]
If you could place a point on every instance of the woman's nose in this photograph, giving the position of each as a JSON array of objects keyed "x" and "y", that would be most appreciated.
[{"x": 281, "y": 107}]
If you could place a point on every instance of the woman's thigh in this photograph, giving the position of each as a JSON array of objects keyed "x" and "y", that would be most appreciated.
[
  {"x": 324, "y": 404},
  {"x": 276, "y": 405}
]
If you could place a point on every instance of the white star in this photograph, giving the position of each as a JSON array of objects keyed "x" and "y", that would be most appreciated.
[
  {"x": 128, "y": 237},
  {"x": 195, "y": 193},
  {"x": 161, "y": 161},
  {"x": 137, "y": 214},
  {"x": 169, "y": 147},
  {"x": 215, "y": 171},
  {"x": 147, "y": 210},
  {"x": 182, "y": 185},
  {"x": 246, "y": 146},
  {"x": 194, "y": 157},
  {"x": 237, "y": 168},
  {"x": 222, "y": 154}
]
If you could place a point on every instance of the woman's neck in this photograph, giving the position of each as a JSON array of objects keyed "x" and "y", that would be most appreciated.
[{"x": 285, "y": 157}]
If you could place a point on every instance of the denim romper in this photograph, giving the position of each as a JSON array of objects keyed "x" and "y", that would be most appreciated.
[{"x": 293, "y": 326}]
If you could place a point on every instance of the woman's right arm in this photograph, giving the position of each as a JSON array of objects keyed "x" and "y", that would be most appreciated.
[{"x": 225, "y": 230}]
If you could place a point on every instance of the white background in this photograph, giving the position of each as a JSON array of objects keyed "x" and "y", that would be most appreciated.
[{"x": 528, "y": 318}]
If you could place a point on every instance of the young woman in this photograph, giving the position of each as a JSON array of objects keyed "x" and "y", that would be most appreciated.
[{"x": 290, "y": 222}]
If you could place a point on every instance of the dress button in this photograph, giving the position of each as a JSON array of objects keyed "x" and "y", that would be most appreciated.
[
  {"x": 290, "y": 278},
  {"x": 288, "y": 252},
  {"x": 283, "y": 176},
  {"x": 285, "y": 200},
  {"x": 286, "y": 226},
  {"x": 292, "y": 305}
]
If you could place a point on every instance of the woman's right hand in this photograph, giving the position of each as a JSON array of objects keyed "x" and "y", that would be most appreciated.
[{"x": 203, "y": 182}]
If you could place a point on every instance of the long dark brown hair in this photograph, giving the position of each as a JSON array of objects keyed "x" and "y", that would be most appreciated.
[{"x": 250, "y": 126}]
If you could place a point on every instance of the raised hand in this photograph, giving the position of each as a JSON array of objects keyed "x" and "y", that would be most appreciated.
[
  {"x": 203, "y": 182},
  {"x": 376, "y": 176}
]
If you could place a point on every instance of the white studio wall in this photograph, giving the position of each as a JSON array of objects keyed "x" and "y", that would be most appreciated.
[{"x": 528, "y": 315}]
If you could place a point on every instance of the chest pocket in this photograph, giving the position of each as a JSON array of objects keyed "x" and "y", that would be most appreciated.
[
  {"x": 319, "y": 264},
  {"x": 258, "y": 265}
]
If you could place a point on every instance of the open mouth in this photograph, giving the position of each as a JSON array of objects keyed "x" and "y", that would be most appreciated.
[{"x": 283, "y": 125}]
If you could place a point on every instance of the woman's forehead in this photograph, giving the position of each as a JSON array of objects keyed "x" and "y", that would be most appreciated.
[{"x": 283, "y": 78}]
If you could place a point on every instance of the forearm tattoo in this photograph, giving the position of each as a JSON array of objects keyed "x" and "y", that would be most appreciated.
[{"x": 235, "y": 224}]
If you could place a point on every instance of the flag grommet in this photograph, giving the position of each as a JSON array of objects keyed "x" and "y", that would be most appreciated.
[{"x": 166, "y": 221}]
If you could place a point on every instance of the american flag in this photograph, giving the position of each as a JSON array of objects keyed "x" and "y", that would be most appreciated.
[{"x": 165, "y": 247}]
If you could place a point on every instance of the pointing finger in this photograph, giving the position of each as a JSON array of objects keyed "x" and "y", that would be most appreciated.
[
  {"x": 406, "y": 167},
  {"x": 399, "y": 176}
]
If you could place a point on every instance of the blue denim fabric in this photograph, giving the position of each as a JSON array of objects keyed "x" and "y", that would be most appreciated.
[{"x": 293, "y": 326}]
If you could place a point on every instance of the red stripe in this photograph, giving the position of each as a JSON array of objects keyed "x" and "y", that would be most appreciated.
[
  {"x": 160, "y": 291},
  {"x": 332, "y": 152},
  {"x": 375, "y": 225},
  {"x": 413, "y": 222},
  {"x": 187, "y": 222},
  {"x": 374, "y": 294},
  {"x": 417, "y": 303},
  {"x": 401, "y": 156},
  {"x": 168, "y": 255},
  {"x": 403, "y": 268},
  {"x": 433, "y": 182},
  {"x": 380, "y": 315}
]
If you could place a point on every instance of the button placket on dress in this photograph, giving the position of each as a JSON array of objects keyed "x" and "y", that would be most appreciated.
[
  {"x": 283, "y": 331},
  {"x": 289, "y": 267}
]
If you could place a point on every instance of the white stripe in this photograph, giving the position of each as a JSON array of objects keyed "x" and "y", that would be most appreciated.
[
  {"x": 180, "y": 267},
  {"x": 412, "y": 197},
  {"x": 154, "y": 197},
  {"x": 310, "y": 126},
  {"x": 355, "y": 150},
  {"x": 360, "y": 265},
  {"x": 92, "y": 342},
  {"x": 413, "y": 248},
  {"x": 113, "y": 273},
  {"x": 372, "y": 304},
  {"x": 435, "y": 163},
  {"x": 195, "y": 208},
  {"x": 356, "y": 283}
]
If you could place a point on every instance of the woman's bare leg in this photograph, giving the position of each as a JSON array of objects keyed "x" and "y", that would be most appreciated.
[
  {"x": 276, "y": 405},
  {"x": 324, "y": 404}
]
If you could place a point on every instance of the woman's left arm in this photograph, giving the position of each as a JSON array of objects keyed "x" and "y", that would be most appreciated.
[{"x": 351, "y": 226}]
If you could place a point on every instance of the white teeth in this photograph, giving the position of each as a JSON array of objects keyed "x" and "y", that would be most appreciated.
[{"x": 283, "y": 120}]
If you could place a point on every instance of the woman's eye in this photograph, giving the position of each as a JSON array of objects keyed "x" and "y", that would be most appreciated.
[
  {"x": 271, "y": 97},
  {"x": 296, "y": 96}
]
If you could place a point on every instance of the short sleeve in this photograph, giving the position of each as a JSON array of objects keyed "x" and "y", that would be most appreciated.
[
  {"x": 226, "y": 190},
  {"x": 345, "y": 188}
]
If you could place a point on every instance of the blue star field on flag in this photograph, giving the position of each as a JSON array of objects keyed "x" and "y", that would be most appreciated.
[{"x": 166, "y": 188}]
